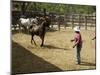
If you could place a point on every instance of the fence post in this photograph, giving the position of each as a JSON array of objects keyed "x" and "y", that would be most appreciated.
[
  {"x": 72, "y": 21},
  {"x": 59, "y": 22},
  {"x": 85, "y": 22},
  {"x": 92, "y": 21},
  {"x": 52, "y": 21},
  {"x": 14, "y": 26},
  {"x": 51, "y": 24},
  {"x": 58, "y": 19},
  {"x": 65, "y": 22},
  {"x": 95, "y": 23},
  {"x": 79, "y": 20}
]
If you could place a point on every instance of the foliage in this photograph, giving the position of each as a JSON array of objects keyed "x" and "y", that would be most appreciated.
[{"x": 54, "y": 7}]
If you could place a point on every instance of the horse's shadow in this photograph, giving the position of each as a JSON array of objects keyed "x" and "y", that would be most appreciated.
[
  {"x": 48, "y": 47},
  {"x": 54, "y": 47},
  {"x": 87, "y": 64}
]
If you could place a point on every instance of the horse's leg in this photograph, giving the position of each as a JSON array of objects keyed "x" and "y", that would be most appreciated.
[
  {"x": 32, "y": 40},
  {"x": 19, "y": 27},
  {"x": 28, "y": 30},
  {"x": 42, "y": 38},
  {"x": 25, "y": 29}
]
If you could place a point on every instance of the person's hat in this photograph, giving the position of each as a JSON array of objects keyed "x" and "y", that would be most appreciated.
[{"x": 77, "y": 28}]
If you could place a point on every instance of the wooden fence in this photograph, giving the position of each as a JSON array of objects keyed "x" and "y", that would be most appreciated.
[
  {"x": 68, "y": 20},
  {"x": 72, "y": 20}
]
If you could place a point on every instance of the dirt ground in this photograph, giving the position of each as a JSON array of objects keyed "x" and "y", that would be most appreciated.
[{"x": 56, "y": 55}]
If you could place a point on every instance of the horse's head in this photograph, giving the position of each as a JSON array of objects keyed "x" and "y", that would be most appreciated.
[{"x": 47, "y": 21}]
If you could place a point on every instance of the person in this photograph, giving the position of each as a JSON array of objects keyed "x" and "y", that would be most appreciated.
[
  {"x": 36, "y": 20},
  {"x": 94, "y": 38},
  {"x": 78, "y": 42}
]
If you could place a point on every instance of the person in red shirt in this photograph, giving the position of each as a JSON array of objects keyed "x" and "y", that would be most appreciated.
[{"x": 78, "y": 42}]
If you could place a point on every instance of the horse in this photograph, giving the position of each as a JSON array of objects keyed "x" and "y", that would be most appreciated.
[
  {"x": 39, "y": 30},
  {"x": 27, "y": 22}
]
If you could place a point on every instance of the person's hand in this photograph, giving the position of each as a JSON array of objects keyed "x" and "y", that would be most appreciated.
[
  {"x": 71, "y": 40},
  {"x": 74, "y": 46}
]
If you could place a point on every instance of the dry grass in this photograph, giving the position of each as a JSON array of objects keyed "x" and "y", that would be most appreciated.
[{"x": 57, "y": 53}]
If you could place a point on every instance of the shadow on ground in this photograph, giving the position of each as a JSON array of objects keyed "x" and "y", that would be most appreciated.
[
  {"x": 54, "y": 47},
  {"x": 23, "y": 61},
  {"x": 87, "y": 64}
]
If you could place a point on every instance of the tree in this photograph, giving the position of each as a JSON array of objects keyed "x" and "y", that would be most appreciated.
[{"x": 55, "y": 7}]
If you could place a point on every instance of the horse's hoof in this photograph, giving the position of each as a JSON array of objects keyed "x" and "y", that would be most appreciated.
[
  {"x": 41, "y": 45},
  {"x": 31, "y": 43}
]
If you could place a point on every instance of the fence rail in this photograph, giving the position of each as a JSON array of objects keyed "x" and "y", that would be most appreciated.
[
  {"x": 68, "y": 20},
  {"x": 73, "y": 20}
]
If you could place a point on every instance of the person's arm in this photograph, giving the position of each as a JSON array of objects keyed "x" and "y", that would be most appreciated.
[
  {"x": 72, "y": 40},
  {"x": 76, "y": 41}
]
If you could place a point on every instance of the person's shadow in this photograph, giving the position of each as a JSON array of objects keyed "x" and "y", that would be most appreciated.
[{"x": 87, "y": 63}]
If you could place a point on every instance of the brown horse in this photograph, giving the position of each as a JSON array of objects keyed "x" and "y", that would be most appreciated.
[{"x": 39, "y": 30}]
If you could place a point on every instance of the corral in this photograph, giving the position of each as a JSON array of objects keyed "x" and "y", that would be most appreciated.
[{"x": 56, "y": 55}]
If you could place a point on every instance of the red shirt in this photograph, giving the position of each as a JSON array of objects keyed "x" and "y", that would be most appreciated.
[{"x": 78, "y": 39}]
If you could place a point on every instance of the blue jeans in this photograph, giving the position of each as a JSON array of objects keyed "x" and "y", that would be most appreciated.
[{"x": 78, "y": 54}]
